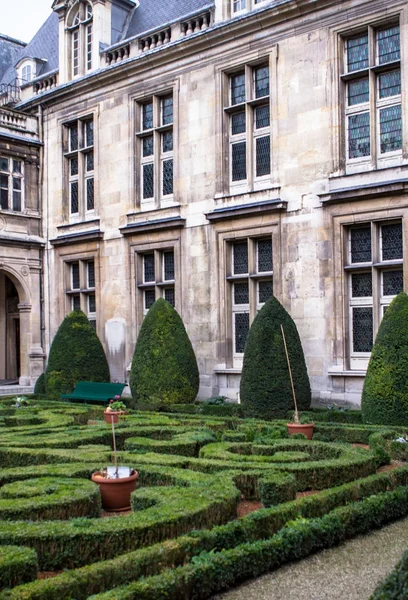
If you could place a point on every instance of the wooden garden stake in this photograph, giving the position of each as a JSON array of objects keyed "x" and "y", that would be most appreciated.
[{"x": 297, "y": 420}]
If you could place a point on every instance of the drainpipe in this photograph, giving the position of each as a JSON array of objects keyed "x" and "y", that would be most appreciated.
[{"x": 41, "y": 198}]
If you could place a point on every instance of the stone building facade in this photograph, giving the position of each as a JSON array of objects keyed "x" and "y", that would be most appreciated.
[{"x": 214, "y": 154}]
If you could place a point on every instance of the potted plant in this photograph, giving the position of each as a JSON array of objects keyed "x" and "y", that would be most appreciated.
[
  {"x": 115, "y": 483},
  {"x": 296, "y": 426},
  {"x": 114, "y": 409}
]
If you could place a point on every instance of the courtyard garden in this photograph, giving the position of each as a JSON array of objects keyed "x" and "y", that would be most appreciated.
[{"x": 223, "y": 493}]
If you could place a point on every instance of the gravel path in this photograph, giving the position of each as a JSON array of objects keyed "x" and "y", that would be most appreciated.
[{"x": 348, "y": 572}]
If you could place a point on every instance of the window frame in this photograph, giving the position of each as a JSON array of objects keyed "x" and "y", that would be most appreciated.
[
  {"x": 80, "y": 43},
  {"x": 11, "y": 174},
  {"x": 85, "y": 291}
]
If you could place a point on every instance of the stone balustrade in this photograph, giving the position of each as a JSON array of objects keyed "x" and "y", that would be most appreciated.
[
  {"x": 118, "y": 54},
  {"x": 155, "y": 40},
  {"x": 196, "y": 24},
  {"x": 45, "y": 83}
]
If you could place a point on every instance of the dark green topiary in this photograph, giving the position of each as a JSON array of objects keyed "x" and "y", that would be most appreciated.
[
  {"x": 76, "y": 354},
  {"x": 39, "y": 387},
  {"x": 164, "y": 368},
  {"x": 265, "y": 384},
  {"x": 385, "y": 392}
]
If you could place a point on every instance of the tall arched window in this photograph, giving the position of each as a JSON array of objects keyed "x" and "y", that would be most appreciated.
[{"x": 80, "y": 28}]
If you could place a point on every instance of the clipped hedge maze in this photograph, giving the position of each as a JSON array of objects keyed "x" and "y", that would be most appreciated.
[{"x": 182, "y": 538}]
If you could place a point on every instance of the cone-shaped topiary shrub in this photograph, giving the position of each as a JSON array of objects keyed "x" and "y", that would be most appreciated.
[
  {"x": 385, "y": 392},
  {"x": 39, "y": 387},
  {"x": 265, "y": 390},
  {"x": 76, "y": 354},
  {"x": 164, "y": 367}
]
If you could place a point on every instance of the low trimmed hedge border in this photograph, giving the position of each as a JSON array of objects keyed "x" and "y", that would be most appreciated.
[{"x": 17, "y": 565}]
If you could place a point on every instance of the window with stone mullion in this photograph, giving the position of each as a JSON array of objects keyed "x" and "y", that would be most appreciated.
[
  {"x": 80, "y": 166},
  {"x": 11, "y": 184},
  {"x": 81, "y": 288},
  {"x": 158, "y": 277}
]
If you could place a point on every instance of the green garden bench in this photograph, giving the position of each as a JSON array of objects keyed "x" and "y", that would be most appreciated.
[{"x": 91, "y": 391}]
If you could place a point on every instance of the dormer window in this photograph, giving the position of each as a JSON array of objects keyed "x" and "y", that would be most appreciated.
[
  {"x": 27, "y": 69},
  {"x": 80, "y": 29},
  {"x": 26, "y": 74}
]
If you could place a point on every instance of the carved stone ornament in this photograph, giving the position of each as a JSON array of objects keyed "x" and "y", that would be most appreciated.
[
  {"x": 25, "y": 271},
  {"x": 2, "y": 223}
]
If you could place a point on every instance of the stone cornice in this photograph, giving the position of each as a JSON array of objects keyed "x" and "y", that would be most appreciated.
[
  {"x": 154, "y": 225},
  {"x": 243, "y": 210},
  {"x": 361, "y": 192},
  {"x": 75, "y": 238}
]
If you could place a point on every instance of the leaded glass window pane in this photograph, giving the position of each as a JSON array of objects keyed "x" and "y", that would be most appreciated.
[
  {"x": 147, "y": 115},
  {"x": 148, "y": 146},
  {"x": 167, "y": 110},
  {"x": 238, "y": 161},
  {"x": 237, "y": 88},
  {"x": 388, "y": 42},
  {"x": 90, "y": 200},
  {"x": 238, "y": 123},
  {"x": 362, "y": 329},
  {"x": 76, "y": 303},
  {"x": 74, "y": 197},
  {"x": 263, "y": 156},
  {"x": 390, "y": 129},
  {"x": 91, "y": 303},
  {"x": 73, "y": 166},
  {"x": 265, "y": 291},
  {"x": 358, "y": 91},
  {"x": 391, "y": 241},
  {"x": 168, "y": 266},
  {"x": 389, "y": 84},
  {"x": 357, "y": 53},
  {"x": 91, "y": 273},
  {"x": 167, "y": 141},
  {"x": 169, "y": 295},
  {"x": 361, "y": 285},
  {"x": 359, "y": 135},
  {"x": 264, "y": 258},
  {"x": 150, "y": 297},
  {"x": 262, "y": 117},
  {"x": 261, "y": 76},
  {"x": 360, "y": 244},
  {"x": 393, "y": 282},
  {"x": 241, "y": 331},
  {"x": 75, "y": 276},
  {"x": 240, "y": 258},
  {"x": 148, "y": 268},
  {"x": 89, "y": 162},
  {"x": 167, "y": 177},
  {"x": 89, "y": 133},
  {"x": 148, "y": 181},
  {"x": 241, "y": 293},
  {"x": 17, "y": 195},
  {"x": 73, "y": 137}
]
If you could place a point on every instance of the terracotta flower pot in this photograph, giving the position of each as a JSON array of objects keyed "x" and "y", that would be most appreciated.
[
  {"x": 305, "y": 428},
  {"x": 115, "y": 493},
  {"x": 113, "y": 415}
]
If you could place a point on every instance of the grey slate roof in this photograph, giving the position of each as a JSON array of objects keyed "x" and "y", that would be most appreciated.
[
  {"x": 153, "y": 14},
  {"x": 9, "y": 50},
  {"x": 43, "y": 45}
]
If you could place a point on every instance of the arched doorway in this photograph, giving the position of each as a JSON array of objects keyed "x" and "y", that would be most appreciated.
[{"x": 10, "y": 354}]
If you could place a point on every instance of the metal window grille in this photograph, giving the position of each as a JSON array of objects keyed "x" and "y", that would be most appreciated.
[
  {"x": 391, "y": 241},
  {"x": 149, "y": 298},
  {"x": 91, "y": 303},
  {"x": 90, "y": 199},
  {"x": 238, "y": 124},
  {"x": 74, "y": 197},
  {"x": 148, "y": 181},
  {"x": 168, "y": 262},
  {"x": 238, "y": 161},
  {"x": 240, "y": 258},
  {"x": 265, "y": 291},
  {"x": 359, "y": 135},
  {"x": 392, "y": 282},
  {"x": 169, "y": 295},
  {"x": 357, "y": 53},
  {"x": 261, "y": 76},
  {"x": 167, "y": 177},
  {"x": 360, "y": 244},
  {"x": 148, "y": 268},
  {"x": 237, "y": 88},
  {"x": 362, "y": 285},
  {"x": 264, "y": 256},
  {"x": 389, "y": 84},
  {"x": 262, "y": 116},
  {"x": 167, "y": 110},
  {"x": 363, "y": 329},
  {"x": 358, "y": 91},
  {"x": 76, "y": 302},
  {"x": 390, "y": 129},
  {"x": 75, "y": 276},
  {"x": 388, "y": 44},
  {"x": 241, "y": 293},
  {"x": 241, "y": 326},
  {"x": 91, "y": 273},
  {"x": 147, "y": 115},
  {"x": 263, "y": 156}
]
